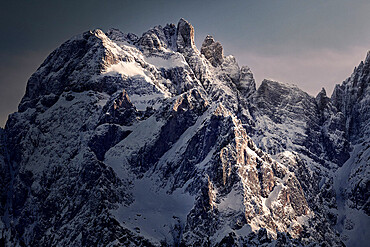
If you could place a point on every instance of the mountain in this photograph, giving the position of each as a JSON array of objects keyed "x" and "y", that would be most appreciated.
[{"x": 123, "y": 140}]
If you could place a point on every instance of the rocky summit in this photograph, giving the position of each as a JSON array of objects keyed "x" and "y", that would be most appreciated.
[{"x": 123, "y": 140}]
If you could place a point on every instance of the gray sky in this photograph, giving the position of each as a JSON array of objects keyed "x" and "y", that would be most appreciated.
[{"x": 312, "y": 44}]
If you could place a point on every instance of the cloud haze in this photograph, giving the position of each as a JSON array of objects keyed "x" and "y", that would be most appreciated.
[{"x": 308, "y": 43}]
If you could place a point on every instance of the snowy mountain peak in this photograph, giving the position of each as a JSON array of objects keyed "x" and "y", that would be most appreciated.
[
  {"x": 275, "y": 90},
  {"x": 72, "y": 65},
  {"x": 352, "y": 99},
  {"x": 117, "y": 35},
  {"x": 123, "y": 140}
]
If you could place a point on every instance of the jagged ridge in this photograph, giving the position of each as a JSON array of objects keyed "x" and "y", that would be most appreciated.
[{"x": 127, "y": 140}]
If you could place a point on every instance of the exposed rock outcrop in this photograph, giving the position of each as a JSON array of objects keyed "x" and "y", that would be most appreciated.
[{"x": 123, "y": 140}]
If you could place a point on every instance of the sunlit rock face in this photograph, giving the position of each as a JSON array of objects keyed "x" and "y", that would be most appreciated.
[{"x": 123, "y": 140}]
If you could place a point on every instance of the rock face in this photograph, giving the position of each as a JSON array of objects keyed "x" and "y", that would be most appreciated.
[
  {"x": 123, "y": 140},
  {"x": 212, "y": 51}
]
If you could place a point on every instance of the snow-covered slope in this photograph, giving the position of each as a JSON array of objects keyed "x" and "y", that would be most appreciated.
[{"x": 123, "y": 140}]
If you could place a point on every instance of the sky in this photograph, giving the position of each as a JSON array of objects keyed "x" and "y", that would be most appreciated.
[{"x": 311, "y": 44}]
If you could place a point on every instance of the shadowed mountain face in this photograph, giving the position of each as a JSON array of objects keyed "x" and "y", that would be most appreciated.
[{"x": 123, "y": 140}]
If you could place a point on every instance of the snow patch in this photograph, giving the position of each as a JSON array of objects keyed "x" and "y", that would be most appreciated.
[
  {"x": 176, "y": 60},
  {"x": 154, "y": 213},
  {"x": 128, "y": 69}
]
